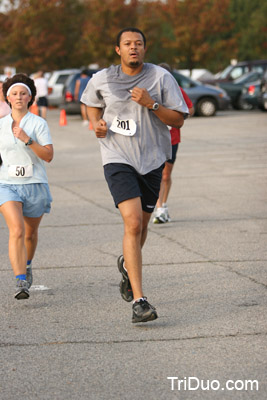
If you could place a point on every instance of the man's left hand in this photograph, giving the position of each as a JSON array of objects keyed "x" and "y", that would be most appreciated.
[{"x": 142, "y": 97}]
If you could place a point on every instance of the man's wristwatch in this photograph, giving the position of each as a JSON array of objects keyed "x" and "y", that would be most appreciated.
[
  {"x": 30, "y": 141},
  {"x": 155, "y": 107}
]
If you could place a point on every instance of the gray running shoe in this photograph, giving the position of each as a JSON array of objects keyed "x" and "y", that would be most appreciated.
[
  {"x": 22, "y": 291},
  {"x": 143, "y": 311},
  {"x": 29, "y": 275},
  {"x": 125, "y": 285}
]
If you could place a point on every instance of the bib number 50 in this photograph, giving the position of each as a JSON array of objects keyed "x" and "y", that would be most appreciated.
[{"x": 20, "y": 171}]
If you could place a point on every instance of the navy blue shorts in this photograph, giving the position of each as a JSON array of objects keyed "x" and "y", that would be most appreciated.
[
  {"x": 126, "y": 183},
  {"x": 174, "y": 152},
  {"x": 42, "y": 102}
]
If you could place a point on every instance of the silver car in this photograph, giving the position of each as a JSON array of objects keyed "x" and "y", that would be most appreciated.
[{"x": 56, "y": 84}]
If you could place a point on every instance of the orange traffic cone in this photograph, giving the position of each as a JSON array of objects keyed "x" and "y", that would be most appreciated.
[
  {"x": 62, "y": 118},
  {"x": 34, "y": 109},
  {"x": 90, "y": 126}
]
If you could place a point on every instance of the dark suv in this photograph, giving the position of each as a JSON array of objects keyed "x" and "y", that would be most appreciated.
[{"x": 70, "y": 105}]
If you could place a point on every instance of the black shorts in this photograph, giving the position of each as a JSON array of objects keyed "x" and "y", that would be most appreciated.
[
  {"x": 42, "y": 102},
  {"x": 126, "y": 183},
  {"x": 174, "y": 152}
]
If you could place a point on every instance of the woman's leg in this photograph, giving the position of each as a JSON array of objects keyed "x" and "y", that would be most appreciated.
[
  {"x": 12, "y": 212},
  {"x": 31, "y": 235}
]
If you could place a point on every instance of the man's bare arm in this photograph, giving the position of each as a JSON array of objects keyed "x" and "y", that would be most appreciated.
[{"x": 99, "y": 125}]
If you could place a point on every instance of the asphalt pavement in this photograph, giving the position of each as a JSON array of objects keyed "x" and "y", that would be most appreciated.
[{"x": 205, "y": 271}]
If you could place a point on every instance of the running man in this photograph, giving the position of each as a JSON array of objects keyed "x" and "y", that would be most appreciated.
[{"x": 130, "y": 106}]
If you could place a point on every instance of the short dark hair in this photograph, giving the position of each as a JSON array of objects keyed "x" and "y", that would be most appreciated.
[
  {"x": 85, "y": 72},
  {"x": 20, "y": 78},
  {"x": 165, "y": 66},
  {"x": 130, "y": 30}
]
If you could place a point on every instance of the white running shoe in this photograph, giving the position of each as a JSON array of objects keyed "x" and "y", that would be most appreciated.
[
  {"x": 167, "y": 216},
  {"x": 160, "y": 216}
]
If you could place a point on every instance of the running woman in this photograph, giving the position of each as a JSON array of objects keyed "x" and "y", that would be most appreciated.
[{"x": 25, "y": 143}]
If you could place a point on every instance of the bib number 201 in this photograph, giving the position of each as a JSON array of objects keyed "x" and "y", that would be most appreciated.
[
  {"x": 126, "y": 127},
  {"x": 123, "y": 124}
]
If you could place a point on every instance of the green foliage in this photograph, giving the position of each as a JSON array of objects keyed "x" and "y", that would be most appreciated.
[
  {"x": 250, "y": 28},
  {"x": 42, "y": 34},
  {"x": 154, "y": 21},
  {"x": 56, "y": 34},
  {"x": 103, "y": 22},
  {"x": 201, "y": 30}
]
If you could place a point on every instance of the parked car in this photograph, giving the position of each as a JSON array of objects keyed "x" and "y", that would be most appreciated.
[
  {"x": 235, "y": 71},
  {"x": 207, "y": 99},
  {"x": 70, "y": 105},
  {"x": 255, "y": 93},
  {"x": 262, "y": 97},
  {"x": 234, "y": 89},
  {"x": 251, "y": 93},
  {"x": 56, "y": 84}
]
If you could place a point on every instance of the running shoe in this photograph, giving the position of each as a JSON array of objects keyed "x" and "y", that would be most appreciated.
[
  {"x": 29, "y": 275},
  {"x": 160, "y": 216},
  {"x": 143, "y": 311},
  {"x": 125, "y": 285},
  {"x": 166, "y": 212},
  {"x": 22, "y": 291}
]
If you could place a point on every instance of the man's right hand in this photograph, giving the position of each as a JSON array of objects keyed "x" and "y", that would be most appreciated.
[{"x": 101, "y": 128}]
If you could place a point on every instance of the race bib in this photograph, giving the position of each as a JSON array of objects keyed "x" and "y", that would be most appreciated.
[
  {"x": 20, "y": 171},
  {"x": 126, "y": 127}
]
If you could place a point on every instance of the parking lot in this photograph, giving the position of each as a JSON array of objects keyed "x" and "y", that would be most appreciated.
[{"x": 206, "y": 273}]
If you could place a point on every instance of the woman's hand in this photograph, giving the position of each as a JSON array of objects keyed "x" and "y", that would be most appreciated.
[
  {"x": 46, "y": 153},
  {"x": 20, "y": 134}
]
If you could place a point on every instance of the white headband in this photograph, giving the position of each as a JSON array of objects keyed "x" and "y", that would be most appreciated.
[{"x": 19, "y": 84}]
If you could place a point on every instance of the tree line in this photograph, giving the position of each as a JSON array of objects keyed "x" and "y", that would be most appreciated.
[{"x": 58, "y": 34}]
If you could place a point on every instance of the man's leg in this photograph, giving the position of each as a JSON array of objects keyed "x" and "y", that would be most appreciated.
[
  {"x": 161, "y": 214},
  {"x": 146, "y": 218},
  {"x": 135, "y": 233},
  {"x": 84, "y": 112},
  {"x": 165, "y": 186},
  {"x": 43, "y": 112},
  {"x": 167, "y": 180}
]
